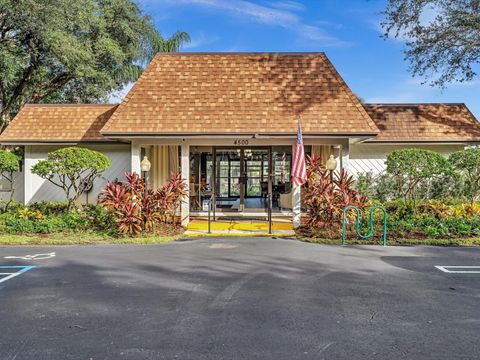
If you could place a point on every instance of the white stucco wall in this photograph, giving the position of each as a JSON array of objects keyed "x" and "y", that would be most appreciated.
[
  {"x": 371, "y": 157},
  {"x": 38, "y": 189},
  {"x": 18, "y": 183}
]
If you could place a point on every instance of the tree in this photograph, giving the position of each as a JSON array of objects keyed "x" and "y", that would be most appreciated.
[
  {"x": 442, "y": 37},
  {"x": 72, "y": 169},
  {"x": 9, "y": 163},
  {"x": 467, "y": 162},
  {"x": 73, "y": 51},
  {"x": 414, "y": 167}
]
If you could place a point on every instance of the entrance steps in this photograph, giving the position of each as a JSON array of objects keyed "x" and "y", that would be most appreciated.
[{"x": 239, "y": 227}]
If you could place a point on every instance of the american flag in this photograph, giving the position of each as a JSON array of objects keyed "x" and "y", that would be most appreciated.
[{"x": 299, "y": 172}]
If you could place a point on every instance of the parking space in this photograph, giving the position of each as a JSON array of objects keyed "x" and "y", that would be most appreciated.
[
  {"x": 9, "y": 272},
  {"x": 242, "y": 298}
]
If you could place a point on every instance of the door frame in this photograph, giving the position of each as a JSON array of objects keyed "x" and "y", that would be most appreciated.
[{"x": 242, "y": 172}]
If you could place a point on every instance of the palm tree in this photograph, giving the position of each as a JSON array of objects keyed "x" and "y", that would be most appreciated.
[
  {"x": 174, "y": 42},
  {"x": 152, "y": 44}
]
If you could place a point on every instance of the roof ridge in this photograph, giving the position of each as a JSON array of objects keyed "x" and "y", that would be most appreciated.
[{"x": 220, "y": 53}]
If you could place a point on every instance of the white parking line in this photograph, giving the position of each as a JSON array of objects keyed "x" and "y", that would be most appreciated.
[{"x": 459, "y": 269}]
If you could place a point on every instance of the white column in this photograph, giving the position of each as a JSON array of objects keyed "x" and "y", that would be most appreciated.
[
  {"x": 296, "y": 201},
  {"x": 185, "y": 169},
  {"x": 135, "y": 158},
  {"x": 345, "y": 155},
  {"x": 28, "y": 176}
]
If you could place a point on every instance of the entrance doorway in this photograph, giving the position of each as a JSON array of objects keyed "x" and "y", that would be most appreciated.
[
  {"x": 242, "y": 179},
  {"x": 238, "y": 180}
]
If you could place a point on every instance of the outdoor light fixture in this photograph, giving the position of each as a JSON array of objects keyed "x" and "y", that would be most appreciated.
[
  {"x": 331, "y": 163},
  {"x": 331, "y": 166},
  {"x": 145, "y": 164}
]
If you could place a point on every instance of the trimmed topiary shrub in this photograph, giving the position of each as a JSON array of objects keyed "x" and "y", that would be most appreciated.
[{"x": 72, "y": 169}]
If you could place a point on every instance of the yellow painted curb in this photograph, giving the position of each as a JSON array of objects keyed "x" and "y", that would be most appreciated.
[{"x": 241, "y": 226}]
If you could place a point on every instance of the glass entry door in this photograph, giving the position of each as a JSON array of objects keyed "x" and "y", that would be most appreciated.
[{"x": 241, "y": 179}]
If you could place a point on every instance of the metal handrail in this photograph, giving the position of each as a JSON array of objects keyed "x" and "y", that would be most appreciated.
[
  {"x": 269, "y": 213},
  {"x": 209, "y": 210},
  {"x": 357, "y": 223}
]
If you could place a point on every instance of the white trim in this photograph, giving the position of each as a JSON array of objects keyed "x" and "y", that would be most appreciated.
[
  {"x": 185, "y": 170},
  {"x": 229, "y": 141}
]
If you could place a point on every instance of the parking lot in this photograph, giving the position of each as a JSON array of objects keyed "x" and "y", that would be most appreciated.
[{"x": 239, "y": 298}]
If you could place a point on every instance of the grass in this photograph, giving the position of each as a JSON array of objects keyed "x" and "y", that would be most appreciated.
[
  {"x": 397, "y": 242},
  {"x": 83, "y": 239}
]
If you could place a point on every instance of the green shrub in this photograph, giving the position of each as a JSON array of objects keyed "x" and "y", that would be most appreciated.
[
  {"x": 50, "y": 207},
  {"x": 365, "y": 185},
  {"x": 101, "y": 219},
  {"x": 467, "y": 164},
  {"x": 55, "y": 218},
  {"x": 16, "y": 225},
  {"x": 72, "y": 169},
  {"x": 436, "y": 231},
  {"x": 50, "y": 225},
  {"x": 413, "y": 169}
]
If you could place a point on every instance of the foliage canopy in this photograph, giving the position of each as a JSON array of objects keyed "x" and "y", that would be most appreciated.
[
  {"x": 442, "y": 37},
  {"x": 73, "y": 51},
  {"x": 411, "y": 167}
]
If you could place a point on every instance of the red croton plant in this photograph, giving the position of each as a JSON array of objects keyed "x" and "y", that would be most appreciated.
[
  {"x": 325, "y": 199},
  {"x": 139, "y": 208}
]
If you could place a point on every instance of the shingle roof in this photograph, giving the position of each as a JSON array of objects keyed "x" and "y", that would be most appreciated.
[
  {"x": 424, "y": 122},
  {"x": 58, "y": 123},
  {"x": 235, "y": 93}
]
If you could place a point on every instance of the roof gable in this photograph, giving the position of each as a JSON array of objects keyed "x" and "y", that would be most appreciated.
[
  {"x": 424, "y": 122},
  {"x": 218, "y": 93}
]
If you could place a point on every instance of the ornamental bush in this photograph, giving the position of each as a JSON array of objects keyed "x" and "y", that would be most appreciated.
[
  {"x": 138, "y": 208},
  {"x": 9, "y": 163},
  {"x": 467, "y": 164},
  {"x": 31, "y": 220},
  {"x": 325, "y": 197},
  {"x": 412, "y": 169},
  {"x": 72, "y": 169}
]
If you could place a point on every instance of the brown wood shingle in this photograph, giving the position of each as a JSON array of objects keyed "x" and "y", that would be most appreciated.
[
  {"x": 424, "y": 122},
  {"x": 58, "y": 123},
  {"x": 228, "y": 93}
]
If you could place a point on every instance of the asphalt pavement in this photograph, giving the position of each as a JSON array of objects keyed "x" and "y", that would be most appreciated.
[{"x": 238, "y": 298}]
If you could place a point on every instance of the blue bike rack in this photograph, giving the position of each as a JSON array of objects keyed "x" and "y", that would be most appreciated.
[{"x": 357, "y": 223}]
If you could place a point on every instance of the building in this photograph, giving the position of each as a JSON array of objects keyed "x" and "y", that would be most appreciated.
[{"x": 228, "y": 120}]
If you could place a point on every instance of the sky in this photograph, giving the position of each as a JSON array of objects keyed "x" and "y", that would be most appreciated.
[{"x": 348, "y": 31}]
